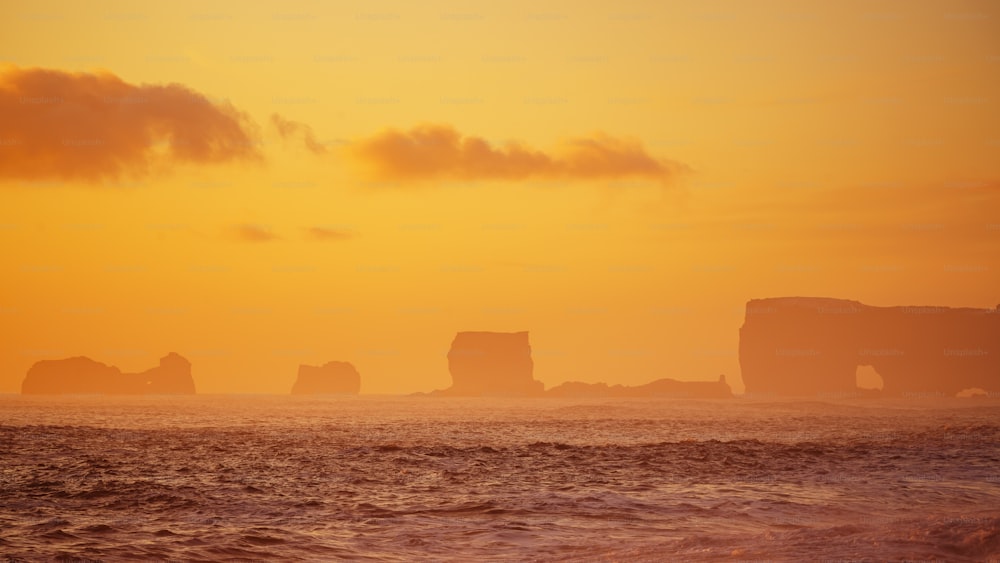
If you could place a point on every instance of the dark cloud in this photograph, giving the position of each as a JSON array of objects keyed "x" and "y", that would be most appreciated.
[{"x": 95, "y": 126}]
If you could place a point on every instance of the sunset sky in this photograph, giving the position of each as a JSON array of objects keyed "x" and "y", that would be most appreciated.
[{"x": 259, "y": 185}]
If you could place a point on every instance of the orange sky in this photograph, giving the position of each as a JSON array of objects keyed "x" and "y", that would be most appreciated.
[{"x": 261, "y": 186}]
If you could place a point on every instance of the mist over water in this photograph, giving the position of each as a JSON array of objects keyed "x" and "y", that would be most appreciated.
[{"x": 392, "y": 478}]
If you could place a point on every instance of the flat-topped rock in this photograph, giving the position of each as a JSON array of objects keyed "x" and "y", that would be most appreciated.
[
  {"x": 491, "y": 364},
  {"x": 332, "y": 378}
]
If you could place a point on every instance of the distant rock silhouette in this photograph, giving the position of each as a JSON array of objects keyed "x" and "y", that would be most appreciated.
[
  {"x": 662, "y": 388},
  {"x": 171, "y": 377},
  {"x": 81, "y": 375},
  {"x": 803, "y": 346},
  {"x": 332, "y": 378},
  {"x": 491, "y": 364}
]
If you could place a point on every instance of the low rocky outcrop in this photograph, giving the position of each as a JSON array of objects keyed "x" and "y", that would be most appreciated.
[
  {"x": 661, "y": 388},
  {"x": 82, "y": 375},
  {"x": 332, "y": 378}
]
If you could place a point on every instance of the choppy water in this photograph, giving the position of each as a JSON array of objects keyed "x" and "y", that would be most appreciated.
[{"x": 283, "y": 478}]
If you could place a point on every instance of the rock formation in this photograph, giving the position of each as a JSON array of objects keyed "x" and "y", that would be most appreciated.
[
  {"x": 661, "y": 388},
  {"x": 81, "y": 375},
  {"x": 171, "y": 377},
  {"x": 807, "y": 346},
  {"x": 332, "y": 378},
  {"x": 491, "y": 364}
]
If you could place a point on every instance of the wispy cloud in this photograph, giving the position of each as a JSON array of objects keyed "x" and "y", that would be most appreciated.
[
  {"x": 429, "y": 152},
  {"x": 289, "y": 129},
  {"x": 254, "y": 233},
  {"x": 328, "y": 234},
  {"x": 58, "y": 125}
]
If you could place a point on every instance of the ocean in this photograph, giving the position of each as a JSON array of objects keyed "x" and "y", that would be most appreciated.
[{"x": 278, "y": 478}]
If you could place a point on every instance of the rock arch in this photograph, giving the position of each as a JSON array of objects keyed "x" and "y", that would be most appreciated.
[{"x": 804, "y": 346}]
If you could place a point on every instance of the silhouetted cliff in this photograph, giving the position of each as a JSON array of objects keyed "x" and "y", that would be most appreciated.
[
  {"x": 491, "y": 364},
  {"x": 332, "y": 378},
  {"x": 82, "y": 375},
  {"x": 662, "y": 388},
  {"x": 810, "y": 345}
]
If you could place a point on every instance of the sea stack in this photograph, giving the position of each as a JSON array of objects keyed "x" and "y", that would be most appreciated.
[
  {"x": 496, "y": 364},
  {"x": 82, "y": 375},
  {"x": 809, "y": 346},
  {"x": 332, "y": 378}
]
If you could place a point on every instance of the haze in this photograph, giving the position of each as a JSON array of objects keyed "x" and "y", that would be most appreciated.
[{"x": 261, "y": 186}]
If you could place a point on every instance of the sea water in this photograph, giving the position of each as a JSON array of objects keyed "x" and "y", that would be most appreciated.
[{"x": 216, "y": 478}]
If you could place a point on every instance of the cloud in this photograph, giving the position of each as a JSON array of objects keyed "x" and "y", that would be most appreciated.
[
  {"x": 327, "y": 234},
  {"x": 429, "y": 152},
  {"x": 289, "y": 129},
  {"x": 254, "y": 233},
  {"x": 57, "y": 125}
]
